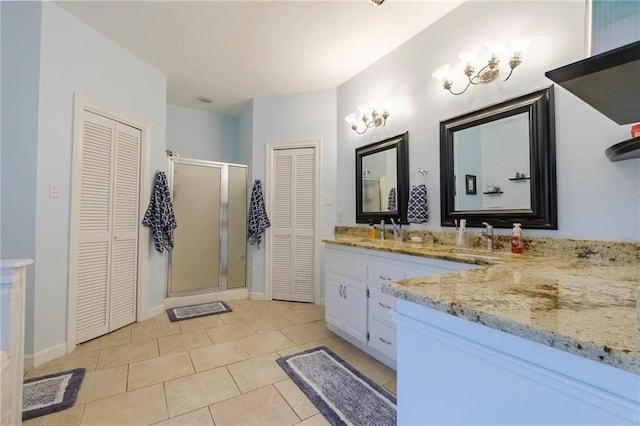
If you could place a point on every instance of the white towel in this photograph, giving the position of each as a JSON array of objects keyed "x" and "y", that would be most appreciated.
[
  {"x": 258, "y": 220},
  {"x": 418, "y": 208}
]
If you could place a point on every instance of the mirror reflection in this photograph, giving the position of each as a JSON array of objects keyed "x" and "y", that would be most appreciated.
[
  {"x": 491, "y": 164},
  {"x": 379, "y": 182},
  {"x": 382, "y": 180},
  {"x": 497, "y": 164}
]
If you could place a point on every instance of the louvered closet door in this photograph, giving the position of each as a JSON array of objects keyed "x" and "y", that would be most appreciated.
[
  {"x": 105, "y": 258},
  {"x": 293, "y": 225}
]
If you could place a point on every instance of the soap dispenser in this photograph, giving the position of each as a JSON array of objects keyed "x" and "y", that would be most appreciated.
[{"x": 517, "y": 245}]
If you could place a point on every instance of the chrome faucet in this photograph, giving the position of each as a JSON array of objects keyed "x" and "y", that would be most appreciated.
[
  {"x": 488, "y": 233},
  {"x": 382, "y": 230}
]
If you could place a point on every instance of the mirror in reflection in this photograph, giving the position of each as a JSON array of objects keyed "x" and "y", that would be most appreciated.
[{"x": 379, "y": 182}]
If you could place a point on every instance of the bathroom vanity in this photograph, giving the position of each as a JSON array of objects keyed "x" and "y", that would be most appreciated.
[{"x": 513, "y": 339}]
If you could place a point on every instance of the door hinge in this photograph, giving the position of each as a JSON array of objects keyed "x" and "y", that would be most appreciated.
[
  {"x": 367, "y": 336},
  {"x": 367, "y": 292}
]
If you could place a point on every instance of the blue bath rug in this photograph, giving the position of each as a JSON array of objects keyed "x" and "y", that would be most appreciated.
[
  {"x": 195, "y": 311},
  {"x": 51, "y": 393},
  {"x": 339, "y": 392}
]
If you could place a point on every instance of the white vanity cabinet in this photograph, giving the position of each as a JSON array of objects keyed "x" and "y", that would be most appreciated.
[{"x": 355, "y": 307}]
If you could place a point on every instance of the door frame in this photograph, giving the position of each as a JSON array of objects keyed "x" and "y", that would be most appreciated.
[
  {"x": 316, "y": 144},
  {"x": 80, "y": 104}
]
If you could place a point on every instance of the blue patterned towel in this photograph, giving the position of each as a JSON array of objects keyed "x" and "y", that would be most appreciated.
[
  {"x": 159, "y": 216},
  {"x": 392, "y": 203},
  {"x": 258, "y": 220},
  {"x": 418, "y": 208}
]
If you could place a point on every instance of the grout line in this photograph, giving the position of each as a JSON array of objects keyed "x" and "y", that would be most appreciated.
[{"x": 287, "y": 401}]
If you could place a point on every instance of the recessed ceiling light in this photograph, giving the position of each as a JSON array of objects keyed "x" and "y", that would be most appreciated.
[{"x": 204, "y": 99}]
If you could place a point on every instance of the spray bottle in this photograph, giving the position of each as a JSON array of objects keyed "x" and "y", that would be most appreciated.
[{"x": 517, "y": 245}]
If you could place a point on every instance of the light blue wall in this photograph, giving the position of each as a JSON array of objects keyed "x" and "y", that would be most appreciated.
[
  {"x": 202, "y": 135},
  {"x": 298, "y": 117},
  {"x": 19, "y": 151},
  {"x": 245, "y": 134},
  {"x": 76, "y": 59},
  {"x": 597, "y": 199}
]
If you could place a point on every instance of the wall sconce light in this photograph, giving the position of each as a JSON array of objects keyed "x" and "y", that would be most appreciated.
[
  {"x": 488, "y": 72},
  {"x": 370, "y": 115}
]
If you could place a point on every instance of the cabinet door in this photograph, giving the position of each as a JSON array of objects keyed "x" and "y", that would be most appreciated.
[
  {"x": 333, "y": 300},
  {"x": 355, "y": 309}
]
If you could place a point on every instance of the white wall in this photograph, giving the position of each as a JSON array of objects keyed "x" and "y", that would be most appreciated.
[
  {"x": 76, "y": 59},
  {"x": 202, "y": 135},
  {"x": 597, "y": 199},
  {"x": 20, "y": 24},
  {"x": 298, "y": 117}
]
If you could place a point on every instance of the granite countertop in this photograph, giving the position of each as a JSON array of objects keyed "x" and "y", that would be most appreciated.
[{"x": 584, "y": 306}]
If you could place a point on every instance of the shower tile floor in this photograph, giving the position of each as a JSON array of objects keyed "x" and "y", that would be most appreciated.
[{"x": 215, "y": 370}]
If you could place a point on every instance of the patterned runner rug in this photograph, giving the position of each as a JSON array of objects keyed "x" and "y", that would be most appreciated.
[
  {"x": 50, "y": 393},
  {"x": 339, "y": 392},
  {"x": 194, "y": 311}
]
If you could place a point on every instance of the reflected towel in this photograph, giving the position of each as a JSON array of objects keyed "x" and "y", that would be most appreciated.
[
  {"x": 418, "y": 208},
  {"x": 392, "y": 204},
  {"x": 258, "y": 220}
]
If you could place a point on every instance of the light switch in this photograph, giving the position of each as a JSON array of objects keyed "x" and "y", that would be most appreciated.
[
  {"x": 327, "y": 200},
  {"x": 54, "y": 190}
]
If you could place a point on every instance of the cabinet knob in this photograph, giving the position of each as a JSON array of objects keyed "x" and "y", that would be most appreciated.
[
  {"x": 384, "y": 305},
  {"x": 385, "y": 341}
]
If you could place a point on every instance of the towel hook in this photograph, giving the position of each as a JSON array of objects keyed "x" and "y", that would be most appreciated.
[{"x": 422, "y": 172}]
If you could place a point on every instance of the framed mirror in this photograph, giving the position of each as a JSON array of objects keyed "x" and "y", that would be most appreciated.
[
  {"x": 497, "y": 164},
  {"x": 382, "y": 180}
]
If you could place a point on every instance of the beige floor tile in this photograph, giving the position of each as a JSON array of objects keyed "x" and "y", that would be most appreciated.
[
  {"x": 299, "y": 348},
  {"x": 374, "y": 370},
  {"x": 151, "y": 330},
  {"x": 199, "y": 390},
  {"x": 76, "y": 359},
  {"x": 243, "y": 315},
  {"x": 317, "y": 420},
  {"x": 341, "y": 347},
  {"x": 307, "y": 332},
  {"x": 210, "y": 321},
  {"x": 270, "y": 322},
  {"x": 303, "y": 316},
  {"x": 265, "y": 343},
  {"x": 255, "y": 373},
  {"x": 392, "y": 387},
  {"x": 201, "y": 417},
  {"x": 183, "y": 342},
  {"x": 140, "y": 407},
  {"x": 163, "y": 318},
  {"x": 103, "y": 383},
  {"x": 303, "y": 407},
  {"x": 271, "y": 307},
  {"x": 215, "y": 356},
  {"x": 158, "y": 370},
  {"x": 228, "y": 332},
  {"x": 122, "y": 336},
  {"x": 267, "y": 408},
  {"x": 119, "y": 355},
  {"x": 69, "y": 417}
]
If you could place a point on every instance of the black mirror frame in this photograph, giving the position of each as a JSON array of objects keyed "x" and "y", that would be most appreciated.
[
  {"x": 401, "y": 143},
  {"x": 543, "y": 213}
]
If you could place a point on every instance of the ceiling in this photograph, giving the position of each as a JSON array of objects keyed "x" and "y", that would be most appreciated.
[{"x": 232, "y": 51}]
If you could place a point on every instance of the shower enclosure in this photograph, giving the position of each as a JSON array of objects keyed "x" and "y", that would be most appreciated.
[{"x": 210, "y": 205}]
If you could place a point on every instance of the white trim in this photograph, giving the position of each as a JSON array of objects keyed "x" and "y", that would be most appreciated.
[
  {"x": 316, "y": 144},
  {"x": 152, "y": 312},
  {"x": 179, "y": 301},
  {"x": 82, "y": 103},
  {"x": 588, "y": 33},
  {"x": 256, "y": 296},
  {"x": 45, "y": 355}
]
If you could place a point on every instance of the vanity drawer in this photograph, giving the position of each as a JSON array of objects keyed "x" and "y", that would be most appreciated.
[
  {"x": 383, "y": 338},
  {"x": 381, "y": 305},
  {"x": 346, "y": 265},
  {"x": 381, "y": 273}
]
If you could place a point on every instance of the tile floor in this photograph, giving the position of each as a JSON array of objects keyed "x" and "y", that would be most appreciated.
[{"x": 214, "y": 370}]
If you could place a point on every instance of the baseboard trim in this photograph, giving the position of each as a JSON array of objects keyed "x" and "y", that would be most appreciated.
[
  {"x": 45, "y": 355},
  {"x": 256, "y": 296},
  {"x": 178, "y": 301},
  {"x": 156, "y": 310}
]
